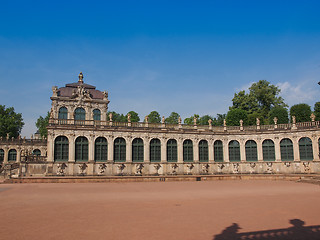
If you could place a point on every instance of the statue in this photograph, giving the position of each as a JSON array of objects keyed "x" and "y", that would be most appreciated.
[
  {"x": 313, "y": 117},
  {"x": 194, "y": 121},
  {"x": 110, "y": 117},
  {"x": 224, "y": 122},
  {"x": 54, "y": 91},
  {"x": 163, "y": 119},
  {"x": 258, "y": 122},
  {"x": 105, "y": 94},
  {"x": 179, "y": 120},
  {"x": 51, "y": 113},
  {"x": 210, "y": 122},
  {"x": 129, "y": 117},
  {"x": 146, "y": 119},
  {"x": 80, "y": 77},
  {"x": 293, "y": 119},
  {"x": 241, "y": 122},
  {"x": 275, "y": 120}
]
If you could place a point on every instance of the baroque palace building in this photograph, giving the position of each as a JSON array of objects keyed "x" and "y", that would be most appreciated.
[{"x": 84, "y": 141}]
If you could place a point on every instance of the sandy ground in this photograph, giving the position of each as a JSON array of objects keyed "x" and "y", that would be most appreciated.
[{"x": 155, "y": 210}]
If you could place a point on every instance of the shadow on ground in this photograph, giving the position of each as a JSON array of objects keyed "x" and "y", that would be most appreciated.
[{"x": 297, "y": 232}]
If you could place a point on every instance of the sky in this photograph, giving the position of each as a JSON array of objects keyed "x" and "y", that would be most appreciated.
[{"x": 189, "y": 57}]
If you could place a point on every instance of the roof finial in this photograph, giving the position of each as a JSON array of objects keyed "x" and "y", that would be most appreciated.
[{"x": 80, "y": 78}]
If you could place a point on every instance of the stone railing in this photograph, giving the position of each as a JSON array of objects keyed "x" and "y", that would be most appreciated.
[{"x": 95, "y": 123}]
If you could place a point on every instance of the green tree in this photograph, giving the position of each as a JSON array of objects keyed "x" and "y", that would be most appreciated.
[
  {"x": 173, "y": 118},
  {"x": 204, "y": 120},
  {"x": 10, "y": 122},
  {"x": 252, "y": 118},
  {"x": 42, "y": 124},
  {"x": 190, "y": 120},
  {"x": 117, "y": 117},
  {"x": 262, "y": 97},
  {"x": 317, "y": 110},
  {"x": 235, "y": 115},
  {"x": 279, "y": 112},
  {"x": 134, "y": 116},
  {"x": 154, "y": 117},
  {"x": 301, "y": 111},
  {"x": 218, "y": 121}
]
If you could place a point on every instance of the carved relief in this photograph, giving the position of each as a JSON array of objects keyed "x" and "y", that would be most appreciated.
[
  {"x": 82, "y": 168},
  {"x": 174, "y": 168},
  {"x": 205, "y": 168},
  {"x": 61, "y": 167},
  {"x": 139, "y": 168},
  {"x": 120, "y": 168},
  {"x": 189, "y": 168},
  {"x": 102, "y": 168},
  {"x": 269, "y": 167},
  {"x": 236, "y": 167},
  {"x": 157, "y": 167}
]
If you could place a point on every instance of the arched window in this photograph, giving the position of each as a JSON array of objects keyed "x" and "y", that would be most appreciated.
[
  {"x": 234, "y": 151},
  {"x": 61, "y": 149},
  {"x": 36, "y": 152},
  {"x": 96, "y": 115},
  {"x": 155, "y": 150},
  {"x": 218, "y": 151},
  {"x": 286, "y": 148},
  {"x": 12, "y": 155},
  {"x": 251, "y": 151},
  {"x": 203, "y": 151},
  {"x": 187, "y": 151},
  {"x": 119, "y": 150},
  {"x": 81, "y": 152},
  {"x": 80, "y": 116},
  {"x": 1, "y": 155},
  {"x": 268, "y": 150},
  {"x": 172, "y": 155},
  {"x": 101, "y": 149},
  {"x": 63, "y": 113},
  {"x": 137, "y": 150},
  {"x": 305, "y": 149}
]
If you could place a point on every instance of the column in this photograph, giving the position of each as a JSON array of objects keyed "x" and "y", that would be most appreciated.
[
  {"x": 242, "y": 150},
  {"x": 91, "y": 148},
  {"x": 146, "y": 150},
  {"x": 277, "y": 149},
  {"x": 180, "y": 150},
  {"x": 260, "y": 150},
  {"x": 71, "y": 149},
  {"x": 163, "y": 149},
  {"x": 110, "y": 149},
  {"x": 128, "y": 150},
  {"x": 6, "y": 155},
  {"x": 315, "y": 147},
  {"x": 195, "y": 150},
  {"x": 225, "y": 150},
  {"x": 210, "y": 151},
  {"x": 18, "y": 154},
  {"x": 50, "y": 148},
  {"x": 296, "y": 152}
]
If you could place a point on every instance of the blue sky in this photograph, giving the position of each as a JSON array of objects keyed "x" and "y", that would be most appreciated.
[{"x": 183, "y": 56}]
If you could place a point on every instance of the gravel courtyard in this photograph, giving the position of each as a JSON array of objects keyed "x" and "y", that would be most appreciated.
[{"x": 156, "y": 210}]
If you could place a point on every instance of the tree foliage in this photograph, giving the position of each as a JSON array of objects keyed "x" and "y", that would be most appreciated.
[
  {"x": 204, "y": 120},
  {"x": 262, "y": 97},
  {"x": 134, "y": 116},
  {"x": 190, "y": 120},
  {"x": 235, "y": 115},
  {"x": 218, "y": 121},
  {"x": 279, "y": 112},
  {"x": 173, "y": 118},
  {"x": 10, "y": 122},
  {"x": 117, "y": 117},
  {"x": 317, "y": 110},
  {"x": 42, "y": 124},
  {"x": 301, "y": 111},
  {"x": 154, "y": 117}
]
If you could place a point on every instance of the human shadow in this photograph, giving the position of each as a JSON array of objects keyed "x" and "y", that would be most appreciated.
[{"x": 297, "y": 232}]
